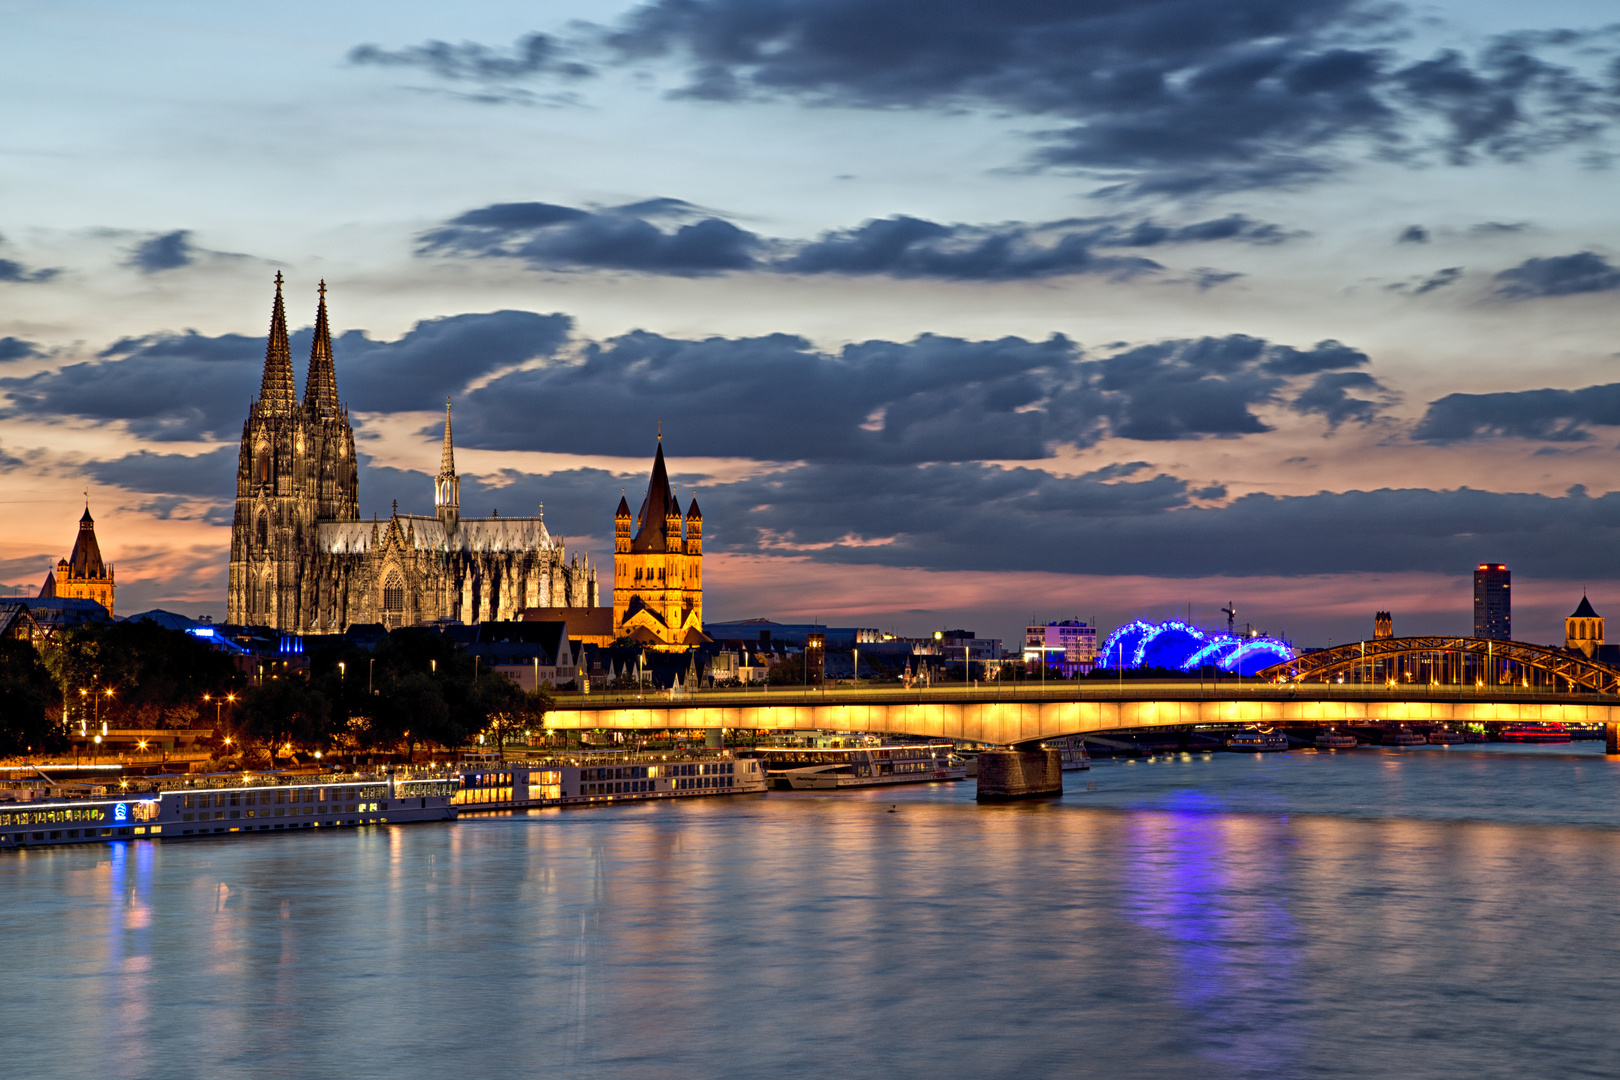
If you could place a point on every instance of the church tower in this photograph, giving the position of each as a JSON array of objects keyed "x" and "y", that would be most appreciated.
[
  {"x": 296, "y": 467},
  {"x": 447, "y": 485},
  {"x": 658, "y": 572},
  {"x": 1583, "y": 631},
  {"x": 82, "y": 575}
]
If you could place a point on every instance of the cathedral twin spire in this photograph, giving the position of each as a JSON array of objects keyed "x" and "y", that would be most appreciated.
[{"x": 277, "y": 392}]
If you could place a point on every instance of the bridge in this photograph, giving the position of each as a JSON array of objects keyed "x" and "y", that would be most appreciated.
[
  {"x": 1009, "y": 714},
  {"x": 1449, "y": 660}
]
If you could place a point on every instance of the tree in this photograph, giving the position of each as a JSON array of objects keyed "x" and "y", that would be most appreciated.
[
  {"x": 282, "y": 712},
  {"x": 158, "y": 676},
  {"x": 29, "y": 720}
]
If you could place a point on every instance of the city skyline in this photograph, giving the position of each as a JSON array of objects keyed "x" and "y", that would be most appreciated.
[{"x": 1314, "y": 315}]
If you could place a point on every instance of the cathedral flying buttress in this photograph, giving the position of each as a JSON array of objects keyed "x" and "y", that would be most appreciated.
[{"x": 302, "y": 559}]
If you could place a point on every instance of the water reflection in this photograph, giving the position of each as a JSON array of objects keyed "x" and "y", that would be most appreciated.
[{"x": 1295, "y": 915}]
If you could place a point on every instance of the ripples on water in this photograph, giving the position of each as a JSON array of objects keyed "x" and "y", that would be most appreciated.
[{"x": 1403, "y": 913}]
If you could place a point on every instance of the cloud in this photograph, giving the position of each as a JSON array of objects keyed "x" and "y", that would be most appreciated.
[
  {"x": 1413, "y": 234},
  {"x": 12, "y": 348},
  {"x": 191, "y": 386},
  {"x": 620, "y": 238},
  {"x": 668, "y": 236},
  {"x": 1176, "y": 97},
  {"x": 210, "y": 475},
  {"x": 1328, "y": 395},
  {"x": 533, "y": 54},
  {"x": 1441, "y": 278},
  {"x": 1558, "y": 416},
  {"x": 1560, "y": 275},
  {"x": 167, "y": 251},
  {"x": 931, "y": 399}
]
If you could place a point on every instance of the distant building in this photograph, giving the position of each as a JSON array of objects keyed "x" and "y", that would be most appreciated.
[
  {"x": 1383, "y": 625},
  {"x": 82, "y": 575},
  {"x": 1493, "y": 608},
  {"x": 658, "y": 571},
  {"x": 1068, "y": 647},
  {"x": 1583, "y": 631}
]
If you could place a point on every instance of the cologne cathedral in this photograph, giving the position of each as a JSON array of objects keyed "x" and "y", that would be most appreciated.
[{"x": 303, "y": 561}]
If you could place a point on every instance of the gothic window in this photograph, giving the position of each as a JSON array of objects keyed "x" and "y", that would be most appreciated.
[
  {"x": 264, "y": 532},
  {"x": 393, "y": 599}
]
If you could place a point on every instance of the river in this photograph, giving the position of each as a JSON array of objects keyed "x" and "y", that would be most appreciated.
[{"x": 1413, "y": 913}]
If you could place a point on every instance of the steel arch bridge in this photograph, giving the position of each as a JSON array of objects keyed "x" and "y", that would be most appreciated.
[{"x": 1573, "y": 667}]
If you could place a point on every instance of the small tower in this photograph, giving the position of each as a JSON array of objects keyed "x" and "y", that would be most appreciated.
[
  {"x": 672, "y": 525},
  {"x": 621, "y": 528},
  {"x": 447, "y": 485},
  {"x": 82, "y": 575},
  {"x": 694, "y": 528},
  {"x": 1583, "y": 631},
  {"x": 1383, "y": 625}
]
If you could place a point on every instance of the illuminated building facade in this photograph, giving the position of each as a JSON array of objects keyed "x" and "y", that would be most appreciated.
[
  {"x": 1383, "y": 625},
  {"x": 658, "y": 568},
  {"x": 1068, "y": 648},
  {"x": 82, "y": 575},
  {"x": 1493, "y": 602},
  {"x": 1583, "y": 631}
]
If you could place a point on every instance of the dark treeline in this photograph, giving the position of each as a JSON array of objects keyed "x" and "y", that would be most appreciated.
[{"x": 415, "y": 690}]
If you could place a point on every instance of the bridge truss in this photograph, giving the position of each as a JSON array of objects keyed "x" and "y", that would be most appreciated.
[{"x": 1363, "y": 656}]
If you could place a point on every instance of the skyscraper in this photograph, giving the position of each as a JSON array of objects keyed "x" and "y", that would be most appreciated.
[{"x": 1493, "y": 607}]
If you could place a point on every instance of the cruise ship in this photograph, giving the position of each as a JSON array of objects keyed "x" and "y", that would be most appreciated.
[
  {"x": 802, "y": 769},
  {"x": 233, "y": 804},
  {"x": 575, "y": 779}
]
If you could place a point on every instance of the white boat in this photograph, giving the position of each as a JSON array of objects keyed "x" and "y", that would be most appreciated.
[
  {"x": 1331, "y": 739},
  {"x": 1402, "y": 736},
  {"x": 1446, "y": 737},
  {"x": 1072, "y": 752},
  {"x": 609, "y": 776},
  {"x": 1253, "y": 740},
  {"x": 803, "y": 769},
  {"x": 238, "y": 804}
]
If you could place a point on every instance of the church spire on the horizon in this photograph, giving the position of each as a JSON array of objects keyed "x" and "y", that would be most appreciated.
[
  {"x": 320, "y": 389},
  {"x": 278, "y": 391},
  {"x": 447, "y": 485}
]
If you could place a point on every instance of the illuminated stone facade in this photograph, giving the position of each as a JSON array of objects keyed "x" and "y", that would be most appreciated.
[
  {"x": 303, "y": 561},
  {"x": 658, "y": 571},
  {"x": 82, "y": 575}
]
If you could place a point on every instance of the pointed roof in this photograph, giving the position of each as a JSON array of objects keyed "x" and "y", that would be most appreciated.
[
  {"x": 624, "y": 508},
  {"x": 1585, "y": 610},
  {"x": 447, "y": 459},
  {"x": 320, "y": 389},
  {"x": 692, "y": 511},
  {"x": 651, "y": 523},
  {"x": 48, "y": 590},
  {"x": 85, "y": 562},
  {"x": 277, "y": 391}
]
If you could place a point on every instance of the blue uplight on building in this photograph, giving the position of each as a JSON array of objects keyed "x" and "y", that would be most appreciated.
[{"x": 1180, "y": 646}]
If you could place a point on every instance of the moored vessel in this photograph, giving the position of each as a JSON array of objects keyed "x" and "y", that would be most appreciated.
[
  {"x": 1071, "y": 752},
  {"x": 1256, "y": 740},
  {"x": 805, "y": 769},
  {"x": 1547, "y": 732},
  {"x": 606, "y": 776},
  {"x": 231, "y": 804},
  {"x": 1333, "y": 739},
  {"x": 1401, "y": 736},
  {"x": 1444, "y": 736}
]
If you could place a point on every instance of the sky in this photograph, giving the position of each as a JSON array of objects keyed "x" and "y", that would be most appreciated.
[{"x": 955, "y": 314}]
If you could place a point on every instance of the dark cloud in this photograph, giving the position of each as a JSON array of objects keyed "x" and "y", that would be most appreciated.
[
  {"x": 1558, "y": 416},
  {"x": 168, "y": 251},
  {"x": 958, "y": 517},
  {"x": 533, "y": 54},
  {"x": 12, "y": 348},
  {"x": 1441, "y": 278},
  {"x": 1413, "y": 234},
  {"x": 931, "y": 399},
  {"x": 1329, "y": 395},
  {"x": 622, "y": 238},
  {"x": 11, "y": 270},
  {"x": 191, "y": 386},
  {"x": 211, "y": 475},
  {"x": 1560, "y": 275},
  {"x": 668, "y": 236},
  {"x": 1497, "y": 228},
  {"x": 1181, "y": 96}
]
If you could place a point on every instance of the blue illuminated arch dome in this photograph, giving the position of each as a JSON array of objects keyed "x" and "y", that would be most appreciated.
[{"x": 1180, "y": 646}]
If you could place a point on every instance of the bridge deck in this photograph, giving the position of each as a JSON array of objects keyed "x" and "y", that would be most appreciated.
[{"x": 1005, "y": 715}]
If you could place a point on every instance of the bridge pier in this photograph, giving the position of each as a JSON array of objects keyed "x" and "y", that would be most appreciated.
[
  {"x": 1611, "y": 738},
  {"x": 1005, "y": 775}
]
